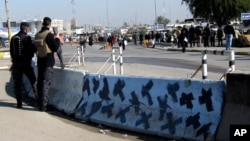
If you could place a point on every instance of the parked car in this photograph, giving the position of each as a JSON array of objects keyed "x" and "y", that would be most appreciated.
[
  {"x": 129, "y": 37},
  {"x": 4, "y": 42}
]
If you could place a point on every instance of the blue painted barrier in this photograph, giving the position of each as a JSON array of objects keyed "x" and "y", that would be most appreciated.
[{"x": 175, "y": 108}]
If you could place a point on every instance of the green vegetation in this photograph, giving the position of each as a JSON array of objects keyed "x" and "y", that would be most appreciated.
[
  {"x": 162, "y": 20},
  {"x": 219, "y": 11}
]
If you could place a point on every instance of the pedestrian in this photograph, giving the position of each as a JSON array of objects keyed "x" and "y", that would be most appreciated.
[
  {"x": 91, "y": 40},
  {"x": 212, "y": 38},
  {"x": 229, "y": 34},
  {"x": 46, "y": 43},
  {"x": 158, "y": 37},
  {"x": 220, "y": 35},
  {"x": 184, "y": 38},
  {"x": 178, "y": 33},
  {"x": 147, "y": 38},
  {"x": 199, "y": 33},
  {"x": 59, "y": 51},
  {"x": 206, "y": 35},
  {"x": 152, "y": 39},
  {"x": 135, "y": 38},
  {"x": 110, "y": 41},
  {"x": 192, "y": 35},
  {"x": 141, "y": 38},
  {"x": 22, "y": 50},
  {"x": 124, "y": 42}
]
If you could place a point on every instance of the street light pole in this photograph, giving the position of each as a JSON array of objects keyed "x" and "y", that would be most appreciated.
[
  {"x": 107, "y": 13},
  {"x": 8, "y": 18},
  {"x": 156, "y": 16},
  {"x": 155, "y": 11}
]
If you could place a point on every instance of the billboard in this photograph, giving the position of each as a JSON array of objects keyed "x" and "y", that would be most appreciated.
[{"x": 245, "y": 16}]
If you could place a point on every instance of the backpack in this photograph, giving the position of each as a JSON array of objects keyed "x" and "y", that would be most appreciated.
[
  {"x": 17, "y": 47},
  {"x": 42, "y": 47}
]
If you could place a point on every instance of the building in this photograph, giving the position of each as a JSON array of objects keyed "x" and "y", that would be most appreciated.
[{"x": 58, "y": 24}]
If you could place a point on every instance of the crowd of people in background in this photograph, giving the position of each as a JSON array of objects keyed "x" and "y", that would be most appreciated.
[{"x": 183, "y": 37}]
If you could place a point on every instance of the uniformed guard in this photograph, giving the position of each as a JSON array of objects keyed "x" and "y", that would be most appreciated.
[
  {"x": 47, "y": 44},
  {"x": 22, "y": 50}
]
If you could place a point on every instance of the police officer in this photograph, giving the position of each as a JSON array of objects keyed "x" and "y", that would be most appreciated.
[
  {"x": 22, "y": 50},
  {"x": 45, "y": 64}
]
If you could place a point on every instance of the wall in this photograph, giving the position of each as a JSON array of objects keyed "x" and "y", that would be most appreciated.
[
  {"x": 237, "y": 104},
  {"x": 175, "y": 108}
]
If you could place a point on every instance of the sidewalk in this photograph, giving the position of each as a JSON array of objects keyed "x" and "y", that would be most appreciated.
[
  {"x": 237, "y": 50},
  {"x": 29, "y": 124}
]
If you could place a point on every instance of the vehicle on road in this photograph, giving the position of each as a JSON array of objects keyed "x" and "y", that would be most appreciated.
[
  {"x": 129, "y": 37},
  {"x": 4, "y": 42}
]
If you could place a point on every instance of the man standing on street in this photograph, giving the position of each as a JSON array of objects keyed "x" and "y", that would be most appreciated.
[
  {"x": 22, "y": 50},
  {"x": 206, "y": 35},
  {"x": 229, "y": 33},
  {"x": 192, "y": 35},
  {"x": 135, "y": 38},
  {"x": 45, "y": 61}
]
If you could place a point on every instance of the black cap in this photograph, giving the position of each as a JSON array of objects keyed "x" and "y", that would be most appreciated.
[
  {"x": 24, "y": 24},
  {"x": 46, "y": 21}
]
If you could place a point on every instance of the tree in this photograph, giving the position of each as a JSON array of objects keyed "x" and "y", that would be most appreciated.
[
  {"x": 162, "y": 20},
  {"x": 219, "y": 11}
]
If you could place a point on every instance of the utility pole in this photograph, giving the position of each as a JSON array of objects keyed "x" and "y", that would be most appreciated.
[
  {"x": 107, "y": 13},
  {"x": 73, "y": 24},
  {"x": 8, "y": 18},
  {"x": 156, "y": 16}
]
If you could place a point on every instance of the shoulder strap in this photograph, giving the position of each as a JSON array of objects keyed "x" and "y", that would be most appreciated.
[{"x": 42, "y": 35}]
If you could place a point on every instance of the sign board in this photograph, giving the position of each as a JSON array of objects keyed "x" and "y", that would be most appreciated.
[
  {"x": 245, "y": 16},
  {"x": 157, "y": 26}
]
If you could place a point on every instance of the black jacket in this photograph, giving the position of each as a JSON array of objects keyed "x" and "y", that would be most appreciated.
[
  {"x": 229, "y": 29},
  {"x": 22, "y": 53},
  {"x": 54, "y": 44}
]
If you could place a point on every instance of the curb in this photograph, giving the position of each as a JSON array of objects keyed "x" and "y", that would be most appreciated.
[
  {"x": 5, "y": 68},
  {"x": 4, "y": 55},
  {"x": 198, "y": 50}
]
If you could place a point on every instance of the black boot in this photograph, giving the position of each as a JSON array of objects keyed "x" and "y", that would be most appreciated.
[{"x": 19, "y": 103}]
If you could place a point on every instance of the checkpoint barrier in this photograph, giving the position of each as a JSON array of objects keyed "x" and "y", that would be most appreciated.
[
  {"x": 79, "y": 56},
  {"x": 65, "y": 91},
  {"x": 174, "y": 108},
  {"x": 237, "y": 104},
  {"x": 114, "y": 61},
  {"x": 204, "y": 66}
]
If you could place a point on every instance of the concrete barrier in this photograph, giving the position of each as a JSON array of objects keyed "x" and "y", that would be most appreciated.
[
  {"x": 174, "y": 108},
  {"x": 66, "y": 90},
  {"x": 237, "y": 107}
]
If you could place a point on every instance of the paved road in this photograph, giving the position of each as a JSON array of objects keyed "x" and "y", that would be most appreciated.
[
  {"x": 29, "y": 124},
  {"x": 161, "y": 63}
]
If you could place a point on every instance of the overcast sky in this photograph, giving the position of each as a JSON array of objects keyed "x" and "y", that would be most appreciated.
[{"x": 95, "y": 11}]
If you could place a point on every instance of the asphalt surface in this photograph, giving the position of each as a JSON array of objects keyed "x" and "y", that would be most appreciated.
[{"x": 30, "y": 124}]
